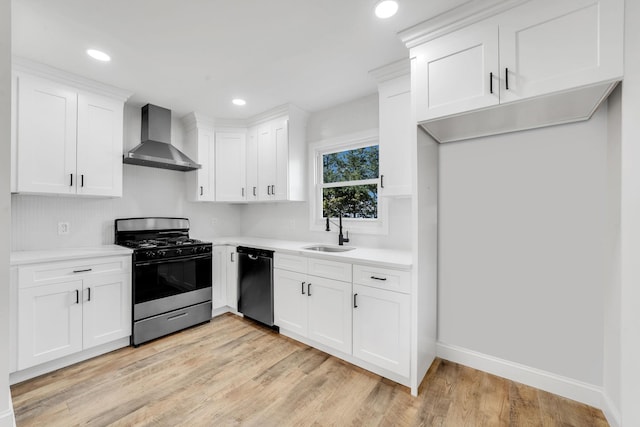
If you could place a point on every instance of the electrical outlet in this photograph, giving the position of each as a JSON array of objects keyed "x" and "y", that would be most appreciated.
[{"x": 63, "y": 228}]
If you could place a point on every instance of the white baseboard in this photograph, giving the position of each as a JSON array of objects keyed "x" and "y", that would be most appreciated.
[
  {"x": 566, "y": 387},
  {"x": 611, "y": 411},
  {"x": 7, "y": 417}
]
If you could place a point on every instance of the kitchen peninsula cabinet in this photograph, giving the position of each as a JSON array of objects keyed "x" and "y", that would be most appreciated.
[
  {"x": 521, "y": 52},
  {"x": 225, "y": 279},
  {"x": 69, "y": 134}
]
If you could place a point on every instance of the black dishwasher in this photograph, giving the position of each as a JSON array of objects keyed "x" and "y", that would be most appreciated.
[{"x": 255, "y": 284}]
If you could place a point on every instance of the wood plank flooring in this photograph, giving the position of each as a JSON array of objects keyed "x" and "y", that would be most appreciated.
[{"x": 232, "y": 372}]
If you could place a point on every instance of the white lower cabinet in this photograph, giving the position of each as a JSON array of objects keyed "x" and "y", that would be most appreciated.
[
  {"x": 368, "y": 319},
  {"x": 67, "y": 307},
  {"x": 381, "y": 332},
  {"x": 225, "y": 277}
]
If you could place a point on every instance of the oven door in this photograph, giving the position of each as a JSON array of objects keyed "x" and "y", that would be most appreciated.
[{"x": 163, "y": 285}]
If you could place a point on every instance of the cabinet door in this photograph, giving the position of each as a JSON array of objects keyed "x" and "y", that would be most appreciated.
[
  {"x": 230, "y": 167},
  {"x": 549, "y": 46},
  {"x": 99, "y": 151},
  {"x": 47, "y": 115},
  {"x": 49, "y": 322},
  {"x": 280, "y": 129},
  {"x": 396, "y": 128},
  {"x": 205, "y": 176},
  {"x": 106, "y": 309},
  {"x": 452, "y": 74},
  {"x": 290, "y": 301},
  {"x": 219, "y": 264},
  {"x": 232, "y": 278},
  {"x": 266, "y": 162},
  {"x": 329, "y": 307},
  {"x": 252, "y": 164},
  {"x": 381, "y": 328}
]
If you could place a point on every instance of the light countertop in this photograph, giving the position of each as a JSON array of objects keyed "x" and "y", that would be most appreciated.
[
  {"x": 64, "y": 254},
  {"x": 390, "y": 258}
]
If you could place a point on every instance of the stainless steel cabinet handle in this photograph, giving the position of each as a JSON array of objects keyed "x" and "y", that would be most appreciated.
[
  {"x": 378, "y": 278},
  {"x": 201, "y": 190},
  {"x": 506, "y": 78},
  {"x": 83, "y": 271},
  {"x": 309, "y": 289},
  {"x": 268, "y": 190},
  {"x": 355, "y": 301},
  {"x": 273, "y": 190},
  {"x": 71, "y": 183},
  {"x": 491, "y": 82},
  {"x": 89, "y": 296},
  {"x": 77, "y": 297},
  {"x": 82, "y": 180},
  {"x": 254, "y": 191},
  {"x": 381, "y": 181},
  {"x": 302, "y": 287}
]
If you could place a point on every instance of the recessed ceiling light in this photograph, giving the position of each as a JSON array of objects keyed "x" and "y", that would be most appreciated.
[
  {"x": 99, "y": 55},
  {"x": 386, "y": 8},
  {"x": 239, "y": 101}
]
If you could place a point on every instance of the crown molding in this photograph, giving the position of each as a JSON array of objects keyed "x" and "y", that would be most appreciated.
[
  {"x": 459, "y": 17},
  {"x": 393, "y": 70},
  {"x": 37, "y": 69},
  {"x": 195, "y": 120}
]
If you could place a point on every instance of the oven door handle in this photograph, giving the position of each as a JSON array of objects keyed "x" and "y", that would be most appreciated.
[{"x": 172, "y": 260}]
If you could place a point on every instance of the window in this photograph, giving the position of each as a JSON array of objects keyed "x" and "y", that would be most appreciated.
[
  {"x": 345, "y": 183},
  {"x": 350, "y": 183}
]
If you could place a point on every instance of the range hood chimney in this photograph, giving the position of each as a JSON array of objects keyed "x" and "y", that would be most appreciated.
[{"x": 156, "y": 150}]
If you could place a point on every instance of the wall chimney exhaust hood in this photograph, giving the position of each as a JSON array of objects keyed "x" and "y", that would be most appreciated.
[{"x": 156, "y": 150}]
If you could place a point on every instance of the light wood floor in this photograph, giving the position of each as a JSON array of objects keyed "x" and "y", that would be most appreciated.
[{"x": 233, "y": 372}]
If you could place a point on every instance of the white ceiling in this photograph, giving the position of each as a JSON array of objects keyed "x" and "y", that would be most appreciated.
[{"x": 196, "y": 55}]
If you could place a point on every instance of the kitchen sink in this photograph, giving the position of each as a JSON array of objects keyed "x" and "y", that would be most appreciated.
[{"x": 328, "y": 248}]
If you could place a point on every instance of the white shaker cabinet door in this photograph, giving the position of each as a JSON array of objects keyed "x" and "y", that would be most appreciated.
[
  {"x": 106, "y": 309},
  {"x": 47, "y": 117},
  {"x": 49, "y": 322},
  {"x": 280, "y": 129},
  {"x": 382, "y": 329},
  {"x": 232, "y": 278},
  {"x": 290, "y": 301},
  {"x": 230, "y": 173},
  {"x": 329, "y": 304},
  {"x": 549, "y": 46},
  {"x": 267, "y": 162},
  {"x": 252, "y": 164},
  {"x": 456, "y": 72},
  {"x": 99, "y": 152},
  {"x": 219, "y": 276}
]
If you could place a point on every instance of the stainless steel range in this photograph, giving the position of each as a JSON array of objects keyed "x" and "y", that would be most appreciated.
[{"x": 172, "y": 284}]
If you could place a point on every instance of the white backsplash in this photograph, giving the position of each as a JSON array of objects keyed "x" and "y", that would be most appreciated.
[{"x": 146, "y": 192}]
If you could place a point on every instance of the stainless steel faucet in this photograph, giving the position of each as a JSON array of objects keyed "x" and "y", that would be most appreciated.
[{"x": 341, "y": 239}]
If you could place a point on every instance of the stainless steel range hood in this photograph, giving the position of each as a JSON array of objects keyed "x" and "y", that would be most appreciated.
[{"x": 156, "y": 150}]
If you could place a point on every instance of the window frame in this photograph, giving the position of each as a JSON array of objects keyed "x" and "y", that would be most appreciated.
[{"x": 344, "y": 143}]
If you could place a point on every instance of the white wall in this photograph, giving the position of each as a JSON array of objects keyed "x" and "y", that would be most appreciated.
[
  {"x": 612, "y": 302},
  {"x": 6, "y": 409},
  {"x": 146, "y": 192},
  {"x": 522, "y": 232},
  {"x": 291, "y": 220},
  {"x": 630, "y": 221}
]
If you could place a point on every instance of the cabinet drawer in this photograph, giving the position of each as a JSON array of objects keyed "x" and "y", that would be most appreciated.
[
  {"x": 330, "y": 269},
  {"x": 51, "y": 272},
  {"x": 383, "y": 278},
  {"x": 290, "y": 262}
]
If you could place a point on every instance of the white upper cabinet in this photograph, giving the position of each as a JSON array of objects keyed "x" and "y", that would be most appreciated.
[
  {"x": 252, "y": 164},
  {"x": 569, "y": 51},
  {"x": 397, "y": 128},
  {"x": 200, "y": 146},
  {"x": 267, "y": 161},
  {"x": 457, "y": 72},
  {"x": 68, "y": 139},
  {"x": 230, "y": 162}
]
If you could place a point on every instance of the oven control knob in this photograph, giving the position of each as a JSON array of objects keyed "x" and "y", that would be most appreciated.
[
  {"x": 178, "y": 251},
  {"x": 162, "y": 253},
  {"x": 150, "y": 254}
]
